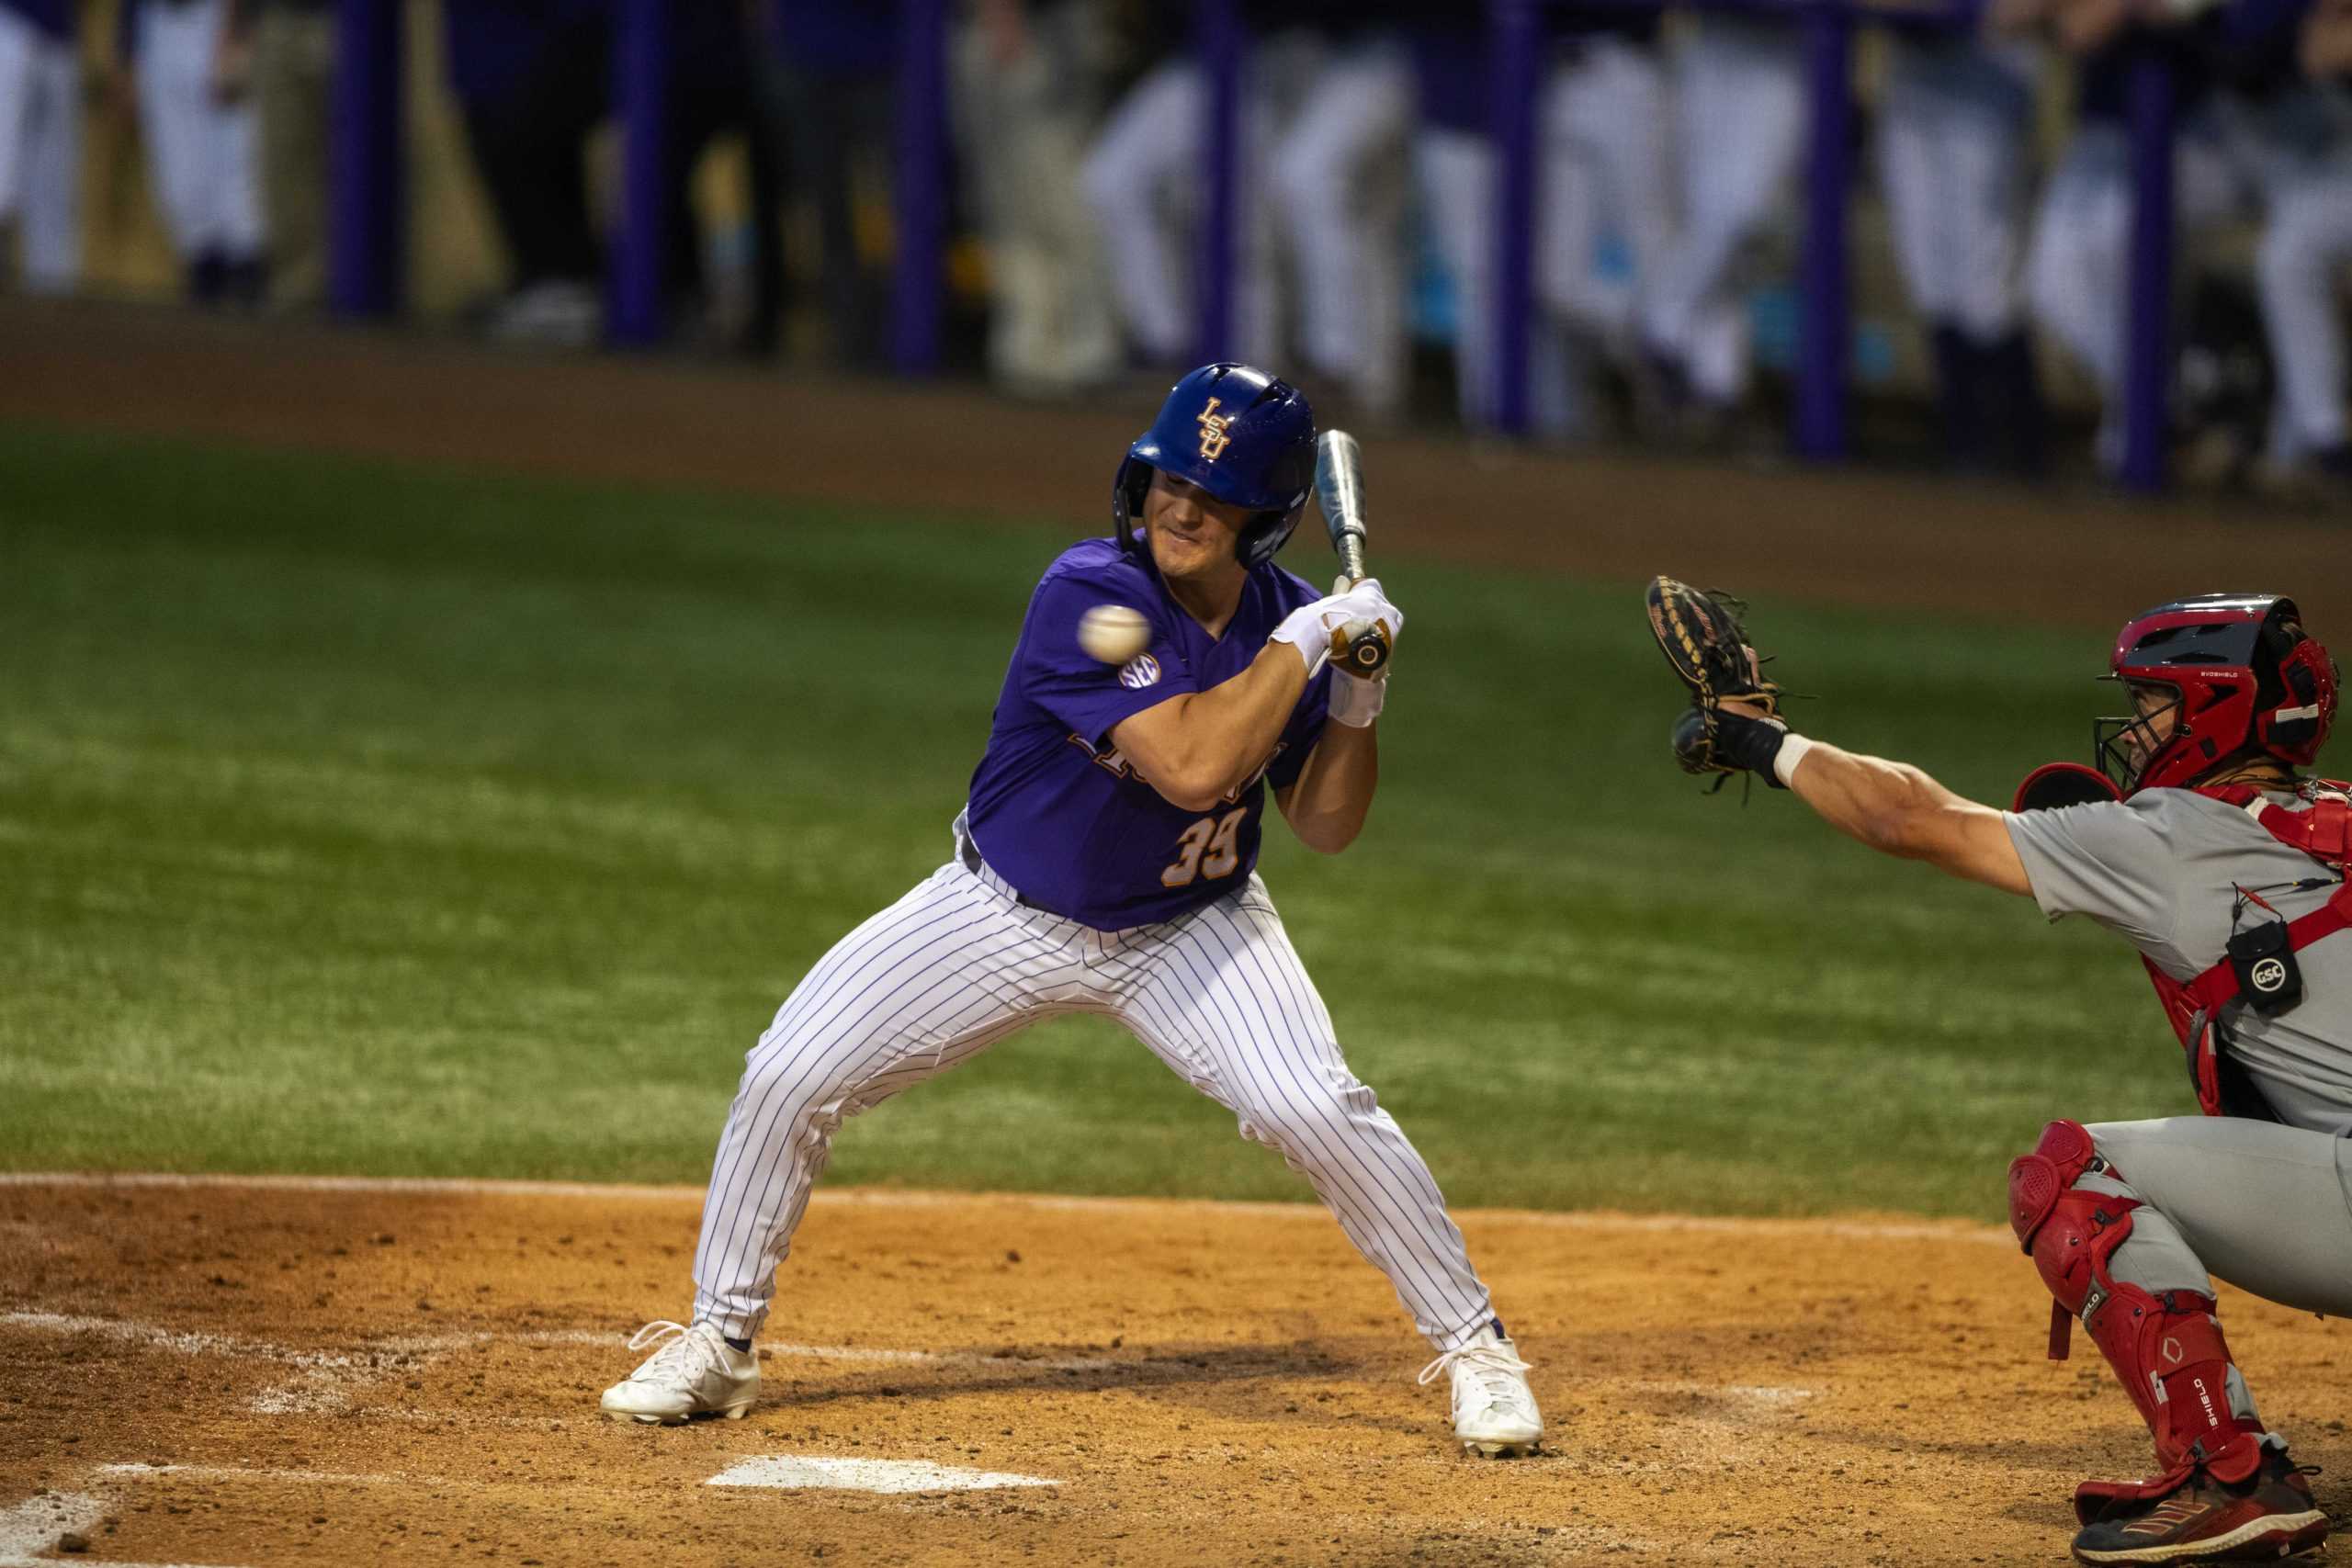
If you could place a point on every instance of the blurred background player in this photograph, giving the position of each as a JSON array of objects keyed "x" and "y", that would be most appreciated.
[
  {"x": 825, "y": 75},
  {"x": 1105, "y": 863},
  {"x": 2078, "y": 268},
  {"x": 532, "y": 82},
  {"x": 1032, "y": 76},
  {"x": 1740, "y": 124},
  {"x": 1340, "y": 178},
  {"x": 203, "y": 143},
  {"x": 279, "y": 55},
  {"x": 1143, "y": 180},
  {"x": 1955, "y": 153},
  {"x": 40, "y": 143},
  {"x": 2292, "y": 115},
  {"x": 1604, "y": 211}
]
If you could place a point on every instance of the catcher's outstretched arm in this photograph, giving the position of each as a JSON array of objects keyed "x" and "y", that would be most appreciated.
[{"x": 1897, "y": 809}]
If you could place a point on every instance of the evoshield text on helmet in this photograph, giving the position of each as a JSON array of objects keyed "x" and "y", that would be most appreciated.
[
  {"x": 1242, "y": 435},
  {"x": 2244, "y": 680}
]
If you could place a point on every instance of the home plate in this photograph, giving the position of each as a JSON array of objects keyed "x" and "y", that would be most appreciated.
[{"x": 794, "y": 1471}]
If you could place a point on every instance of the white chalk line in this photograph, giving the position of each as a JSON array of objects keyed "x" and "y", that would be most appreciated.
[
  {"x": 816, "y": 1472},
  {"x": 324, "y": 1382},
  {"x": 892, "y": 1198},
  {"x": 33, "y": 1527}
]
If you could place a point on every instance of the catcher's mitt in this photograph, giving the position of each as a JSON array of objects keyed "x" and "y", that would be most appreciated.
[{"x": 1702, "y": 638}]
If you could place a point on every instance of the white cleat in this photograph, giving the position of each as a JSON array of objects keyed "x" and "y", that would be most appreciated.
[
  {"x": 1494, "y": 1410},
  {"x": 695, "y": 1373}
]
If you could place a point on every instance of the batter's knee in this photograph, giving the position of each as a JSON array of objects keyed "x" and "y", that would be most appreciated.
[
  {"x": 1315, "y": 1113},
  {"x": 791, "y": 1080}
]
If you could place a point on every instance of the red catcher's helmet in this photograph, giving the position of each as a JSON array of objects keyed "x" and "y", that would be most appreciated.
[{"x": 2246, "y": 680}]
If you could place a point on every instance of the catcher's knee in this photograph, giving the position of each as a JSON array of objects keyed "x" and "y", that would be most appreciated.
[
  {"x": 2068, "y": 1231},
  {"x": 2037, "y": 1180}
]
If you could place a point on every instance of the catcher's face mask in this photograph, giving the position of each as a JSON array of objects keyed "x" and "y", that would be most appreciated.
[{"x": 2123, "y": 745}]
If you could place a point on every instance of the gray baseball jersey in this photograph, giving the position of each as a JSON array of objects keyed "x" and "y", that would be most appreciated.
[{"x": 2163, "y": 870}]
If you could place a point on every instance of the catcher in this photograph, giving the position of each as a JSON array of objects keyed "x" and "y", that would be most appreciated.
[{"x": 2198, "y": 841}]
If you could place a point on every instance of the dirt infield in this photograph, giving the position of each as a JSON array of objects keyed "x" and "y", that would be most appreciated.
[
  {"x": 2073, "y": 554},
  {"x": 238, "y": 1373}
]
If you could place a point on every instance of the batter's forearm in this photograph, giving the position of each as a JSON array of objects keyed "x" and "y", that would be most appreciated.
[
  {"x": 1327, "y": 806},
  {"x": 1197, "y": 750}
]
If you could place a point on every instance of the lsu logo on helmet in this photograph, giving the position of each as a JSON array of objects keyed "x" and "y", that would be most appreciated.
[{"x": 1214, "y": 440}]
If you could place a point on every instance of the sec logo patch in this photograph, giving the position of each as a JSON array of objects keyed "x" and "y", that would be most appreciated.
[{"x": 1139, "y": 671}]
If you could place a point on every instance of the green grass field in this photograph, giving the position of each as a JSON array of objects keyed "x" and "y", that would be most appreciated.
[{"x": 355, "y": 818}]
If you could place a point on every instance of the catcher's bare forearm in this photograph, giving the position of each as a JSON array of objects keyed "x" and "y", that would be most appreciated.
[
  {"x": 1327, "y": 806},
  {"x": 1897, "y": 809}
]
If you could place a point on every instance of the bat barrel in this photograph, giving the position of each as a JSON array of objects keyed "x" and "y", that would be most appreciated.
[{"x": 1339, "y": 490}]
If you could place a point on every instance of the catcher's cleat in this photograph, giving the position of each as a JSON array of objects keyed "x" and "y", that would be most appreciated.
[
  {"x": 1494, "y": 1410},
  {"x": 695, "y": 1373},
  {"x": 2269, "y": 1515}
]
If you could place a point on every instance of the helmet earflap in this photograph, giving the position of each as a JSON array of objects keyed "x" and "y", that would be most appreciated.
[{"x": 2294, "y": 726}]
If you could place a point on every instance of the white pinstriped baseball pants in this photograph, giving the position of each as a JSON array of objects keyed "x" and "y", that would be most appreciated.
[{"x": 957, "y": 964}]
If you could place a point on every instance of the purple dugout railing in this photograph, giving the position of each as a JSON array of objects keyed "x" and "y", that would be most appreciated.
[{"x": 368, "y": 195}]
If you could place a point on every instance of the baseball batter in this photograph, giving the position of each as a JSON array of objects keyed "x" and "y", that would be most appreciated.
[
  {"x": 1103, "y": 864},
  {"x": 2202, "y": 847}
]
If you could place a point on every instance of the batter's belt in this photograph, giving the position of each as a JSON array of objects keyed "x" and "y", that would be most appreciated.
[{"x": 969, "y": 853}]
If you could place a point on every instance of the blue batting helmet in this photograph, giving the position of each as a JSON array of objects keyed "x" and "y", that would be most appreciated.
[{"x": 1240, "y": 435}]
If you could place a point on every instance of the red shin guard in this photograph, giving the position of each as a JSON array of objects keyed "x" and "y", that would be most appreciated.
[{"x": 2168, "y": 1350}]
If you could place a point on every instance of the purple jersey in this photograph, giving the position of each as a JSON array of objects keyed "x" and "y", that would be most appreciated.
[{"x": 1059, "y": 813}]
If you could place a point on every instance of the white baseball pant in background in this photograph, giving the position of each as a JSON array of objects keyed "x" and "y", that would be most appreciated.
[
  {"x": 1606, "y": 175},
  {"x": 1144, "y": 178},
  {"x": 1954, "y": 135},
  {"x": 1740, "y": 101},
  {"x": 203, "y": 155},
  {"x": 1457, "y": 171},
  {"x": 1340, "y": 189},
  {"x": 40, "y": 152},
  {"x": 2299, "y": 150},
  {"x": 2078, "y": 270},
  {"x": 958, "y": 964}
]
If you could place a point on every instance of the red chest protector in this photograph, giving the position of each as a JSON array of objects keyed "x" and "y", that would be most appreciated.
[{"x": 2194, "y": 1007}]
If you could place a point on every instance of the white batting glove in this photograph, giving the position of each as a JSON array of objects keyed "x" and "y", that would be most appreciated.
[
  {"x": 1356, "y": 700},
  {"x": 1308, "y": 629}
]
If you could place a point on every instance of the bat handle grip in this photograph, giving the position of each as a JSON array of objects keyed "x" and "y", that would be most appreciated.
[{"x": 1351, "y": 556}]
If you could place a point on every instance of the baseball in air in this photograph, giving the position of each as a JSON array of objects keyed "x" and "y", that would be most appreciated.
[{"x": 1113, "y": 633}]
